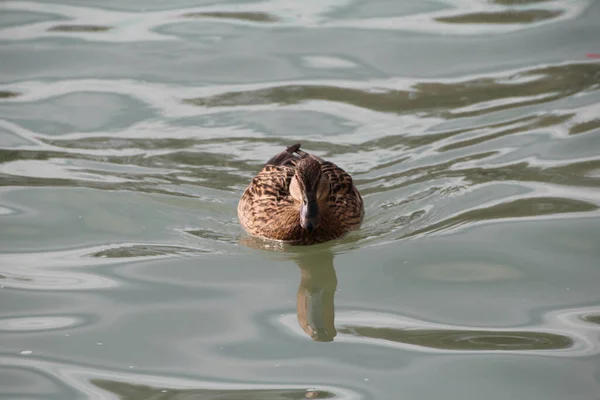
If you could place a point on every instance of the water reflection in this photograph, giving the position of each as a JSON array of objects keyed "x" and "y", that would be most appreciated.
[
  {"x": 39, "y": 377},
  {"x": 79, "y": 28},
  {"x": 40, "y": 323},
  {"x": 521, "y": 208},
  {"x": 518, "y": 2},
  {"x": 455, "y": 339},
  {"x": 315, "y": 299},
  {"x": 7, "y": 94},
  {"x": 586, "y": 126},
  {"x": 315, "y": 312},
  {"x": 243, "y": 16},
  {"x": 503, "y": 17},
  {"x": 315, "y": 307},
  {"x": 567, "y": 332},
  {"x": 468, "y": 98},
  {"x": 592, "y": 318},
  {"x": 143, "y": 250},
  {"x": 443, "y": 131},
  {"x": 130, "y": 391}
]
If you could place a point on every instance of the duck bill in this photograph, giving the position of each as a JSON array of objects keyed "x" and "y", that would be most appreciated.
[{"x": 309, "y": 213}]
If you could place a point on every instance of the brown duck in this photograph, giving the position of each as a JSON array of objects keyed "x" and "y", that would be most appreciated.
[{"x": 300, "y": 198}]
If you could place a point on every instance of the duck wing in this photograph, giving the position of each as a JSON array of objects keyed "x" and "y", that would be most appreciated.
[
  {"x": 266, "y": 201},
  {"x": 344, "y": 199},
  {"x": 271, "y": 183}
]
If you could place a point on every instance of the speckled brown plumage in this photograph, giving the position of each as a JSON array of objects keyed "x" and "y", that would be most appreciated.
[{"x": 268, "y": 210}]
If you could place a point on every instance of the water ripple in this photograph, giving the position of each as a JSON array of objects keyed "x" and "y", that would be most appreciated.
[
  {"x": 32, "y": 324},
  {"x": 128, "y": 131},
  {"x": 470, "y": 340},
  {"x": 79, "y": 28},
  {"x": 242, "y": 16},
  {"x": 503, "y": 17},
  {"x": 464, "y": 18},
  {"x": 98, "y": 383},
  {"x": 59, "y": 270},
  {"x": 7, "y": 94},
  {"x": 438, "y": 99},
  {"x": 563, "y": 333}
]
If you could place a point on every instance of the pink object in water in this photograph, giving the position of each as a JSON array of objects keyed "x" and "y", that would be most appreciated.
[{"x": 592, "y": 55}]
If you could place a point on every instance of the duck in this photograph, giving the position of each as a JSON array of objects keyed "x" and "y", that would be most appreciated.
[{"x": 301, "y": 199}]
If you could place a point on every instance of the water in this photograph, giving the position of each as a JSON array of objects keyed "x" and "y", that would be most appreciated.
[{"x": 128, "y": 131}]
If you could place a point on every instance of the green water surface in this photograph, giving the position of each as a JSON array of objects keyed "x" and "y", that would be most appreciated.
[{"x": 128, "y": 131}]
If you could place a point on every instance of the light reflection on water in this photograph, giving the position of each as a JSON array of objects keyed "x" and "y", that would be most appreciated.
[{"x": 28, "y": 324}]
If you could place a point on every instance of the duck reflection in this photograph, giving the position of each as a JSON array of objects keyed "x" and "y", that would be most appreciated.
[
  {"x": 315, "y": 306},
  {"x": 315, "y": 298}
]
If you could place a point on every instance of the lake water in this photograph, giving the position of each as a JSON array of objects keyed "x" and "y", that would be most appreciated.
[{"x": 128, "y": 131}]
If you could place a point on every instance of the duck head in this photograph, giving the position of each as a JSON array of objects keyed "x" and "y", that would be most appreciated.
[{"x": 310, "y": 188}]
